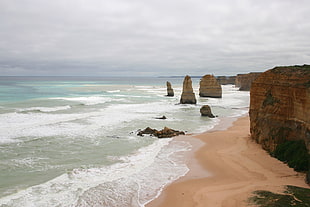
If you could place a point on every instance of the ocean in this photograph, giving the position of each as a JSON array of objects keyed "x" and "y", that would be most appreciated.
[{"x": 72, "y": 141}]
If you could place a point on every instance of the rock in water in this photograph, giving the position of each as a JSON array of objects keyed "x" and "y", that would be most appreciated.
[
  {"x": 206, "y": 111},
  {"x": 188, "y": 95},
  {"x": 209, "y": 87},
  {"x": 164, "y": 133},
  {"x": 170, "y": 91}
]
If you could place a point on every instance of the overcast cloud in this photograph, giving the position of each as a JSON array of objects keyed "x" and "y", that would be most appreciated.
[{"x": 151, "y": 37}]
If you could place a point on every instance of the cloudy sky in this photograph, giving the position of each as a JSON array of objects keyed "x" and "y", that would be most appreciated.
[{"x": 151, "y": 37}]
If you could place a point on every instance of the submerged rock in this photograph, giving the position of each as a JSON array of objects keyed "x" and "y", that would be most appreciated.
[
  {"x": 170, "y": 91},
  {"x": 188, "y": 95},
  {"x": 206, "y": 111},
  {"x": 164, "y": 133}
]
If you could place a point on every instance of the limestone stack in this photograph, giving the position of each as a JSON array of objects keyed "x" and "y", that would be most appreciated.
[
  {"x": 188, "y": 95},
  {"x": 170, "y": 91},
  {"x": 209, "y": 87}
]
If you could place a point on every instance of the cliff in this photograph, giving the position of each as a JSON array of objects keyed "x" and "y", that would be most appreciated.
[
  {"x": 225, "y": 80},
  {"x": 188, "y": 95},
  {"x": 244, "y": 81},
  {"x": 209, "y": 87},
  {"x": 280, "y": 107}
]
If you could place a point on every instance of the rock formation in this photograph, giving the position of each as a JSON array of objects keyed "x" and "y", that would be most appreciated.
[
  {"x": 209, "y": 87},
  {"x": 244, "y": 81},
  {"x": 170, "y": 91},
  {"x": 226, "y": 80},
  {"x": 280, "y": 107},
  {"x": 188, "y": 95},
  {"x": 164, "y": 133},
  {"x": 206, "y": 111}
]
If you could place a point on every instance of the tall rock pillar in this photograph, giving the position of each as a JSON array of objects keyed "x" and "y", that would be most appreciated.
[
  {"x": 188, "y": 95},
  {"x": 170, "y": 91}
]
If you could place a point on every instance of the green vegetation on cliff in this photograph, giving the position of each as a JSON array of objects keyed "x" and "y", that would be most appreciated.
[
  {"x": 292, "y": 196},
  {"x": 294, "y": 153},
  {"x": 298, "y": 70}
]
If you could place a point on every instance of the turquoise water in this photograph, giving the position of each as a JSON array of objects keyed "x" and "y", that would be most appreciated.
[{"x": 71, "y": 141}]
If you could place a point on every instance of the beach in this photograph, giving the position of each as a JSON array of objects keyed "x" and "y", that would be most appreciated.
[{"x": 226, "y": 170}]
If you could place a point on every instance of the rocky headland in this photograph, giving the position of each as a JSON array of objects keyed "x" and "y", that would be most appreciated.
[
  {"x": 209, "y": 87},
  {"x": 188, "y": 95},
  {"x": 280, "y": 111},
  {"x": 244, "y": 81}
]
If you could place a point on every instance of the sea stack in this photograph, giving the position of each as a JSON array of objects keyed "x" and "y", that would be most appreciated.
[
  {"x": 170, "y": 91},
  {"x": 188, "y": 95},
  {"x": 209, "y": 87}
]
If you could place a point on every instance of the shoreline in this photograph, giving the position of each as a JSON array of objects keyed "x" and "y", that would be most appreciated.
[{"x": 226, "y": 166}]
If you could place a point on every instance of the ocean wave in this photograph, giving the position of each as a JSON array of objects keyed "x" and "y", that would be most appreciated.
[
  {"x": 88, "y": 100},
  {"x": 44, "y": 109},
  {"x": 133, "y": 182}
]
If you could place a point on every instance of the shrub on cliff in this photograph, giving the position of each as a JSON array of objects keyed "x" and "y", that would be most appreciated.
[{"x": 294, "y": 153}]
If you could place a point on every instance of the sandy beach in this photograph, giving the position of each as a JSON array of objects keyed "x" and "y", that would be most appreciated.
[{"x": 226, "y": 170}]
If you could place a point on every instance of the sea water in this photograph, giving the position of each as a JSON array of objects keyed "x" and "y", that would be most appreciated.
[{"x": 72, "y": 141}]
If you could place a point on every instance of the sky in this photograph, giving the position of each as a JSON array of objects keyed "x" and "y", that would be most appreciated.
[{"x": 151, "y": 37}]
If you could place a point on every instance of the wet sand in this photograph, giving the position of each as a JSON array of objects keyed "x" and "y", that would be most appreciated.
[{"x": 225, "y": 170}]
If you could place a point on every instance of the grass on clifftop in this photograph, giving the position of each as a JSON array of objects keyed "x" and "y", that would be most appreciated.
[
  {"x": 298, "y": 70},
  {"x": 292, "y": 197}
]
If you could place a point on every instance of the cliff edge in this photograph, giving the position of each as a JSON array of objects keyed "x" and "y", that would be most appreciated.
[{"x": 280, "y": 107}]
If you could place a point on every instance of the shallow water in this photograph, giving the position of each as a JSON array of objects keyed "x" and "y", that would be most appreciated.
[{"x": 72, "y": 141}]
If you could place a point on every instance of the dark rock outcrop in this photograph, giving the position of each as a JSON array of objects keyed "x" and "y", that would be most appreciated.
[
  {"x": 163, "y": 117},
  {"x": 209, "y": 87},
  {"x": 188, "y": 95},
  {"x": 244, "y": 81},
  {"x": 226, "y": 80},
  {"x": 206, "y": 111},
  {"x": 280, "y": 107},
  {"x": 164, "y": 133},
  {"x": 170, "y": 91}
]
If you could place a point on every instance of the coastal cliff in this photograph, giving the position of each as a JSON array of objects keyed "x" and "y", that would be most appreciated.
[
  {"x": 225, "y": 80},
  {"x": 244, "y": 81},
  {"x": 280, "y": 107}
]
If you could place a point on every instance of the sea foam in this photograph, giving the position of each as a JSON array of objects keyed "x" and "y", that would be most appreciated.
[{"x": 134, "y": 181}]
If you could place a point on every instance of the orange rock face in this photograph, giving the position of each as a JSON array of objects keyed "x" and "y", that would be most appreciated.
[
  {"x": 244, "y": 81},
  {"x": 280, "y": 106},
  {"x": 209, "y": 87},
  {"x": 188, "y": 95}
]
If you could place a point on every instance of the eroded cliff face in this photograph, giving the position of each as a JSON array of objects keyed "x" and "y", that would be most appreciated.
[
  {"x": 244, "y": 81},
  {"x": 225, "y": 80},
  {"x": 280, "y": 106}
]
